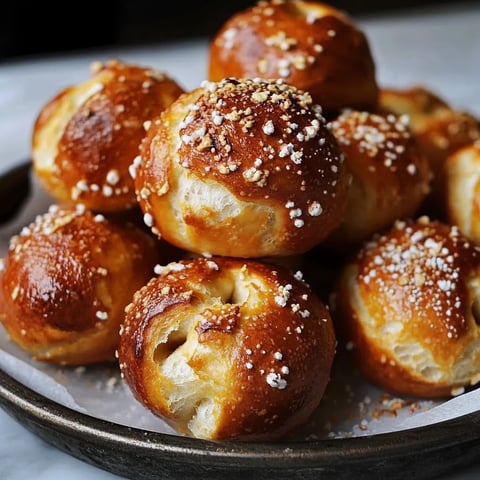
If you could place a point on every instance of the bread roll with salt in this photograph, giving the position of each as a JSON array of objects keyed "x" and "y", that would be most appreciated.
[
  {"x": 244, "y": 168},
  {"x": 407, "y": 305},
  {"x": 439, "y": 129},
  {"x": 66, "y": 280},
  {"x": 84, "y": 138},
  {"x": 224, "y": 348},
  {"x": 309, "y": 44},
  {"x": 390, "y": 175}
]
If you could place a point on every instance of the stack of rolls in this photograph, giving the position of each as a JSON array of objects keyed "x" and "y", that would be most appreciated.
[
  {"x": 186, "y": 220},
  {"x": 222, "y": 345}
]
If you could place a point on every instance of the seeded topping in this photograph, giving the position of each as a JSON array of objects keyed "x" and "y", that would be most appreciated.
[
  {"x": 56, "y": 247},
  {"x": 288, "y": 142},
  {"x": 224, "y": 316},
  {"x": 113, "y": 109},
  {"x": 426, "y": 265},
  {"x": 295, "y": 50},
  {"x": 383, "y": 138}
]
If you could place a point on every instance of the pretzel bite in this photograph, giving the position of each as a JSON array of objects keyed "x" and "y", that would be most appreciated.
[
  {"x": 66, "y": 280},
  {"x": 390, "y": 177},
  {"x": 462, "y": 179},
  {"x": 244, "y": 168},
  {"x": 408, "y": 303},
  {"x": 418, "y": 102},
  {"x": 226, "y": 348},
  {"x": 310, "y": 45},
  {"x": 84, "y": 139},
  {"x": 439, "y": 129}
]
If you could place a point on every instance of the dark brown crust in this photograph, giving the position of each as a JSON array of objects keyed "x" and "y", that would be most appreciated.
[
  {"x": 328, "y": 57},
  {"x": 439, "y": 130},
  {"x": 102, "y": 135},
  {"x": 254, "y": 340},
  {"x": 66, "y": 280},
  {"x": 251, "y": 139},
  {"x": 390, "y": 174}
]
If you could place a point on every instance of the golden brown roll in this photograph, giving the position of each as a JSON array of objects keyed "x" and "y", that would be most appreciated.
[
  {"x": 418, "y": 102},
  {"x": 390, "y": 176},
  {"x": 84, "y": 139},
  {"x": 462, "y": 181},
  {"x": 309, "y": 44},
  {"x": 408, "y": 305},
  {"x": 439, "y": 129},
  {"x": 66, "y": 280},
  {"x": 244, "y": 168},
  {"x": 225, "y": 348}
]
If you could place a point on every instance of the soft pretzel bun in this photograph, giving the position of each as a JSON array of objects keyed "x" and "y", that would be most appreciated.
[
  {"x": 225, "y": 348},
  {"x": 310, "y": 45},
  {"x": 66, "y": 280},
  {"x": 244, "y": 168},
  {"x": 439, "y": 130},
  {"x": 390, "y": 176},
  {"x": 408, "y": 303},
  {"x": 462, "y": 179},
  {"x": 418, "y": 102},
  {"x": 84, "y": 139}
]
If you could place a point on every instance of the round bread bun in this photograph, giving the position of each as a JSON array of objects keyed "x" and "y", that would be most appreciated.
[
  {"x": 242, "y": 168},
  {"x": 311, "y": 45},
  {"x": 407, "y": 305},
  {"x": 66, "y": 280},
  {"x": 462, "y": 179},
  {"x": 84, "y": 139},
  {"x": 418, "y": 102},
  {"x": 439, "y": 130},
  {"x": 225, "y": 348},
  {"x": 390, "y": 176}
]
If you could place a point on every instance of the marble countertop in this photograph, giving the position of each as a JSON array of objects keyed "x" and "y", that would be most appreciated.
[{"x": 438, "y": 48}]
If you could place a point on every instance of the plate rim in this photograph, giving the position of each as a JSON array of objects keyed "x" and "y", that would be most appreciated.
[{"x": 40, "y": 414}]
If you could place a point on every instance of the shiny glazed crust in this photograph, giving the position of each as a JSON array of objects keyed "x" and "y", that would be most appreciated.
[
  {"x": 390, "y": 175},
  {"x": 243, "y": 168},
  {"x": 407, "y": 305},
  {"x": 310, "y": 45},
  {"x": 226, "y": 348},
  {"x": 439, "y": 130},
  {"x": 84, "y": 139},
  {"x": 66, "y": 280}
]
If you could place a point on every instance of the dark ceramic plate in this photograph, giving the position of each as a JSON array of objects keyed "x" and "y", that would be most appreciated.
[{"x": 425, "y": 452}]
